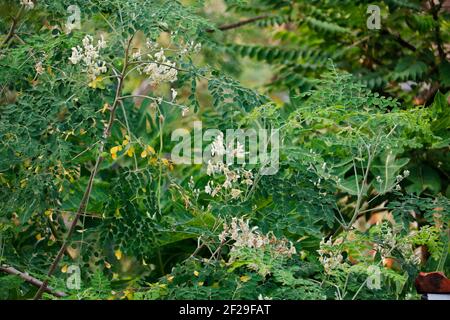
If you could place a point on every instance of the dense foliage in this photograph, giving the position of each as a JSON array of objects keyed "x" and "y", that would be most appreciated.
[{"x": 359, "y": 204}]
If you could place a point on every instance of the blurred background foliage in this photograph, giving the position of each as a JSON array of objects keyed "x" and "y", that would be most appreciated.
[{"x": 364, "y": 122}]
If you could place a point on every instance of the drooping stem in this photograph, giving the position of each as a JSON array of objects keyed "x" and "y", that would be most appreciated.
[{"x": 87, "y": 193}]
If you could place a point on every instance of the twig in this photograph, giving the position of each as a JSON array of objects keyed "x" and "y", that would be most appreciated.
[
  {"x": 13, "y": 27},
  {"x": 399, "y": 39},
  {"x": 31, "y": 280},
  {"x": 437, "y": 31},
  {"x": 237, "y": 24},
  {"x": 87, "y": 194}
]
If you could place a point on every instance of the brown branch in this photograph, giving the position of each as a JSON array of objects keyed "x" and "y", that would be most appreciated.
[
  {"x": 87, "y": 193},
  {"x": 437, "y": 31},
  {"x": 237, "y": 24},
  {"x": 13, "y": 27},
  {"x": 35, "y": 282},
  {"x": 399, "y": 39}
]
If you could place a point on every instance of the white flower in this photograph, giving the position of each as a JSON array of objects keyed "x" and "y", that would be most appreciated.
[
  {"x": 152, "y": 45},
  {"x": 160, "y": 57},
  {"x": 38, "y": 67},
  {"x": 89, "y": 55},
  {"x": 208, "y": 189},
  {"x": 77, "y": 55},
  {"x": 406, "y": 173},
  {"x": 217, "y": 147},
  {"x": 227, "y": 184},
  {"x": 101, "y": 44},
  {"x": 28, "y": 4},
  {"x": 137, "y": 55},
  {"x": 239, "y": 152},
  {"x": 216, "y": 191},
  {"x": 329, "y": 255},
  {"x": 159, "y": 73},
  {"x": 184, "y": 111},
  {"x": 197, "y": 48},
  {"x": 210, "y": 169},
  {"x": 379, "y": 180},
  {"x": 87, "y": 40},
  {"x": 174, "y": 93},
  {"x": 235, "y": 193}
]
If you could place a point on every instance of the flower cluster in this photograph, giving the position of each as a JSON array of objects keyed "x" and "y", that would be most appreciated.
[
  {"x": 234, "y": 178},
  {"x": 90, "y": 56},
  {"x": 399, "y": 178},
  {"x": 330, "y": 255},
  {"x": 130, "y": 149},
  {"x": 388, "y": 242},
  {"x": 160, "y": 68},
  {"x": 245, "y": 236},
  {"x": 191, "y": 47},
  {"x": 39, "y": 68},
  {"x": 28, "y": 4}
]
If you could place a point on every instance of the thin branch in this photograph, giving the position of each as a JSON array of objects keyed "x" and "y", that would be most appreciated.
[
  {"x": 13, "y": 27},
  {"x": 150, "y": 98},
  {"x": 437, "y": 30},
  {"x": 87, "y": 193},
  {"x": 35, "y": 282},
  {"x": 237, "y": 24},
  {"x": 399, "y": 39}
]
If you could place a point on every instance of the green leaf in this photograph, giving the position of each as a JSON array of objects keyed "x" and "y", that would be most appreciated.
[
  {"x": 424, "y": 178},
  {"x": 387, "y": 168}
]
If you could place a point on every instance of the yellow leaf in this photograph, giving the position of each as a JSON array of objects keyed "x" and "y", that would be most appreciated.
[
  {"x": 196, "y": 273},
  {"x": 200, "y": 283},
  {"x": 64, "y": 268},
  {"x": 144, "y": 154},
  {"x": 118, "y": 254},
  {"x": 170, "y": 278},
  {"x": 244, "y": 278},
  {"x": 38, "y": 237},
  {"x": 97, "y": 83},
  {"x": 107, "y": 265}
]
